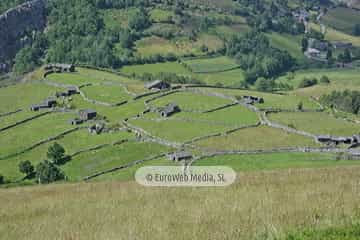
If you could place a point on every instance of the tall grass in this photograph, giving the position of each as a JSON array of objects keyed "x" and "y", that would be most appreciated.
[{"x": 260, "y": 205}]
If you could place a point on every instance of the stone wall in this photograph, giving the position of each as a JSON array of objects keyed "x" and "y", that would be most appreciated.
[{"x": 14, "y": 24}]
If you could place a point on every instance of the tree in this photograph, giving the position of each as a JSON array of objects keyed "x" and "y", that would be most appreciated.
[
  {"x": 356, "y": 29},
  {"x": 304, "y": 44},
  {"x": 325, "y": 79},
  {"x": 329, "y": 54},
  {"x": 25, "y": 60},
  {"x": 347, "y": 56},
  {"x": 2, "y": 180},
  {"x": 56, "y": 153},
  {"x": 26, "y": 168},
  {"x": 47, "y": 172},
  {"x": 300, "y": 106}
]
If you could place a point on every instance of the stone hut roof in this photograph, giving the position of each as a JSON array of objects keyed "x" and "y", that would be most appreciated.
[
  {"x": 178, "y": 156},
  {"x": 170, "y": 109}
]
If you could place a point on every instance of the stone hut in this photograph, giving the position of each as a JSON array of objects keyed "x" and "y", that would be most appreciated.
[
  {"x": 157, "y": 84},
  {"x": 75, "y": 121},
  {"x": 47, "y": 103},
  {"x": 253, "y": 100},
  {"x": 87, "y": 114},
  {"x": 169, "y": 110},
  {"x": 180, "y": 156}
]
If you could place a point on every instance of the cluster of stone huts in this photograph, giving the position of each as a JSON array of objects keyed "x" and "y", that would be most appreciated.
[
  {"x": 353, "y": 141},
  {"x": 318, "y": 48},
  {"x": 69, "y": 91},
  {"x": 96, "y": 128},
  {"x": 47, "y": 103},
  {"x": 252, "y": 99}
]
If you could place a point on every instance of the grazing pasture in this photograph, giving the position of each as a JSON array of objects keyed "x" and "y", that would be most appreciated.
[
  {"x": 319, "y": 123},
  {"x": 178, "y": 131},
  {"x": 286, "y": 200},
  {"x": 209, "y": 65},
  {"x": 342, "y": 19},
  {"x": 110, "y": 157},
  {"x": 255, "y": 138},
  {"x": 335, "y": 35},
  {"x": 22, "y": 96},
  {"x": 255, "y": 162},
  {"x": 271, "y": 100},
  {"x": 189, "y": 101}
]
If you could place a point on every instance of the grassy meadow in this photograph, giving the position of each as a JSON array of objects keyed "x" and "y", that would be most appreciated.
[
  {"x": 316, "y": 123},
  {"x": 260, "y": 205},
  {"x": 255, "y": 138}
]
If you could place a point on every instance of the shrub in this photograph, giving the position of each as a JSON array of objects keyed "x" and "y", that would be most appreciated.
[
  {"x": 2, "y": 180},
  {"x": 26, "y": 168},
  {"x": 307, "y": 82},
  {"x": 325, "y": 79},
  {"x": 56, "y": 153},
  {"x": 47, "y": 172}
]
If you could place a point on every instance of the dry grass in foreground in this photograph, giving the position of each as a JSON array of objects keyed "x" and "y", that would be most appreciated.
[{"x": 272, "y": 202}]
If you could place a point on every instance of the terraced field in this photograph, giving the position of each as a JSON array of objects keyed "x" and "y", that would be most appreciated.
[
  {"x": 209, "y": 65},
  {"x": 317, "y": 123},
  {"x": 211, "y": 120}
]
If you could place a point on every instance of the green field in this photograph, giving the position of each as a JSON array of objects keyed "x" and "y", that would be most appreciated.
[
  {"x": 159, "y": 15},
  {"x": 227, "y": 78},
  {"x": 340, "y": 79},
  {"x": 335, "y": 35},
  {"x": 271, "y": 101},
  {"x": 317, "y": 123},
  {"x": 107, "y": 93},
  {"x": 189, "y": 101},
  {"x": 273, "y": 161},
  {"x": 209, "y": 65},
  {"x": 342, "y": 19},
  {"x": 287, "y": 42},
  {"x": 254, "y": 139},
  {"x": 154, "y": 45},
  {"x": 22, "y": 96},
  {"x": 110, "y": 157}
]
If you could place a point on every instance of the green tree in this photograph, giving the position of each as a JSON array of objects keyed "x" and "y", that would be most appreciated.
[
  {"x": 26, "y": 168},
  {"x": 347, "y": 56},
  {"x": 25, "y": 60},
  {"x": 329, "y": 54},
  {"x": 356, "y": 29},
  {"x": 47, "y": 172},
  {"x": 304, "y": 44},
  {"x": 2, "y": 179},
  {"x": 56, "y": 153},
  {"x": 139, "y": 20},
  {"x": 300, "y": 106}
]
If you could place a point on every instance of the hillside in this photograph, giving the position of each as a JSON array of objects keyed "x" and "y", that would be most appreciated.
[{"x": 91, "y": 91}]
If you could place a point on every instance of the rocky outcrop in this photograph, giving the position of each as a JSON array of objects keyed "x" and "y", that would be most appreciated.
[{"x": 15, "y": 24}]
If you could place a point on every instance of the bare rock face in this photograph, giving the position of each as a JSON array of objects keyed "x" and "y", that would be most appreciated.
[{"x": 15, "y": 23}]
